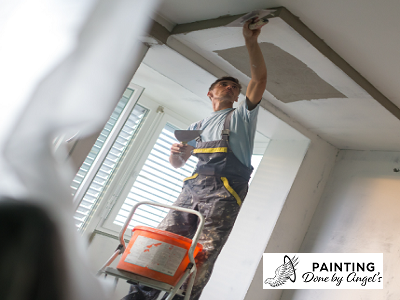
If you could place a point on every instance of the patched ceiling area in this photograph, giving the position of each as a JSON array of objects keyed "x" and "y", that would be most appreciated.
[{"x": 289, "y": 78}]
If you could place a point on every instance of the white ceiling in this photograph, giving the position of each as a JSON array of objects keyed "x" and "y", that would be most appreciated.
[{"x": 364, "y": 34}]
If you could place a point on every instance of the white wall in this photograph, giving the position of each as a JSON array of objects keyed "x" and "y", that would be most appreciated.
[
  {"x": 240, "y": 256},
  {"x": 358, "y": 212},
  {"x": 297, "y": 212}
]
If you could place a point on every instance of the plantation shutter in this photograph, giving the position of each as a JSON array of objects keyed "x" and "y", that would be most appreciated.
[
  {"x": 157, "y": 181},
  {"x": 109, "y": 164}
]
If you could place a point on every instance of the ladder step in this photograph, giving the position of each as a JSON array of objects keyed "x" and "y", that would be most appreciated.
[{"x": 140, "y": 279}]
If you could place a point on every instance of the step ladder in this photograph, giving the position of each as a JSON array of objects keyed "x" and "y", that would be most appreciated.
[{"x": 190, "y": 271}]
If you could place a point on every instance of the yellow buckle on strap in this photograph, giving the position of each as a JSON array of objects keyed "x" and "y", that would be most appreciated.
[
  {"x": 191, "y": 177},
  {"x": 211, "y": 150},
  {"x": 231, "y": 190}
]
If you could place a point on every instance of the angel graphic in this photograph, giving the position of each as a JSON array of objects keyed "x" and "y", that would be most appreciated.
[{"x": 284, "y": 272}]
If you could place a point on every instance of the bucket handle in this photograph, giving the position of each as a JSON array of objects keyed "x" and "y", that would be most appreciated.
[{"x": 122, "y": 246}]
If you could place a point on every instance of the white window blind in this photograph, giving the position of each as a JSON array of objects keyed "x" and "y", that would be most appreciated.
[
  {"x": 157, "y": 181},
  {"x": 109, "y": 164}
]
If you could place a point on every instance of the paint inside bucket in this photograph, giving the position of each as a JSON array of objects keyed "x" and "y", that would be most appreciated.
[{"x": 157, "y": 254}]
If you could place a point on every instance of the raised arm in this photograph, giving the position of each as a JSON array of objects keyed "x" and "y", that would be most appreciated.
[{"x": 258, "y": 81}]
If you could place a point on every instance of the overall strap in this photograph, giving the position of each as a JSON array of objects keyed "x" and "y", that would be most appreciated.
[
  {"x": 199, "y": 123},
  {"x": 226, "y": 131}
]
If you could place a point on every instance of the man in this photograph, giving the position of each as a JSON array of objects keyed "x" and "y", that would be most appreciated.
[{"x": 220, "y": 181}]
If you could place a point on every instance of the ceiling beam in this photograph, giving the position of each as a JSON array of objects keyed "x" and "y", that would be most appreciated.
[
  {"x": 206, "y": 24},
  {"x": 159, "y": 32}
]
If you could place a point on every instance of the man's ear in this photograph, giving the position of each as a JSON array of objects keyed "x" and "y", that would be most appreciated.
[{"x": 210, "y": 94}]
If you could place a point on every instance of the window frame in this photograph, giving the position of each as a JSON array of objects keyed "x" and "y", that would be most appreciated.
[
  {"x": 131, "y": 173},
  {"x": 131, "y": 165},
  {"x": 80, "y": 192}
]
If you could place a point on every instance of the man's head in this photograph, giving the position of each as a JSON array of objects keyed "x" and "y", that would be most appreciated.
[
  {"x": 229, "y": 78},
  {"x": 224, "y": 92}
]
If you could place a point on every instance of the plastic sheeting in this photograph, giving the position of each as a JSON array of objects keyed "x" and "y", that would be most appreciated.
[{"x": 64, "y": 65}]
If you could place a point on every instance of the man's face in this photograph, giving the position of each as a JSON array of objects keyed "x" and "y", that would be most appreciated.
[{"x": 226, "y": 91}]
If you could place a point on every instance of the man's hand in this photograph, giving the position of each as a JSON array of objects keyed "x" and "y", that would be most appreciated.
[
  {"x": 180, "y": 153},
  {"x": 178, "y": 148},
  {"x": 250, "y": 35}
]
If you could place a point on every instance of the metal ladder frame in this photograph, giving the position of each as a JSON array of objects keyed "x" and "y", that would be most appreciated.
[{"x": 191, "y": 269}]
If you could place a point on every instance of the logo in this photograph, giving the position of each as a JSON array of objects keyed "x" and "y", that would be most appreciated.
[
  {"x": 323, "y": 271},
  {"x": 284, "y": 272}
]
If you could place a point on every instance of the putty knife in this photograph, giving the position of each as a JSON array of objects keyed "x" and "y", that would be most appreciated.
[
  {"x": 185, "y": 136},
  {"x": 260, "y": 23}
]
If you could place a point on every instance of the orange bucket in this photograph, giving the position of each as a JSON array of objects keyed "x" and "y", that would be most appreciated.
[{"x": 157, "y": 254}]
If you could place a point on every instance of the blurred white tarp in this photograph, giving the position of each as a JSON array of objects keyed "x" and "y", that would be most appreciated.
[{"x": 64, "y": 65}]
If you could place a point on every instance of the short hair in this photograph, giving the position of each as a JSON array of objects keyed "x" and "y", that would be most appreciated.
[{"x": 235, "y": 80}]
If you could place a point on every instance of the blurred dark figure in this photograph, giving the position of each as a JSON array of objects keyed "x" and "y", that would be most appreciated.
[{"x": 31, "y": 267}]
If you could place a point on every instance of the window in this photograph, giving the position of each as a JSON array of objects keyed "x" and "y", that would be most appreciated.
[
  {"x": 157, "y": 181},
  {"x": 255, "y": 162},
  {"x": 98, "y": 168},
  {"x": 146, "y": 173},
  {"x": 261, "y": 143}
]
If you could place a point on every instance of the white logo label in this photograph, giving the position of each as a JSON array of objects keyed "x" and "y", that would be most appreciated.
[
  {"x": 156, "y": 255},
  {"x": 323, "y": 271}
]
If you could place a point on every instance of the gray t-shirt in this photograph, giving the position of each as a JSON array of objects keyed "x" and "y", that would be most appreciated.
[{"x": 242, "y": 130}]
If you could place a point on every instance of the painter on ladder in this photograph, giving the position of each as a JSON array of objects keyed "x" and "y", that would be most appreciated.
[{"x": 220, "y": 181}]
